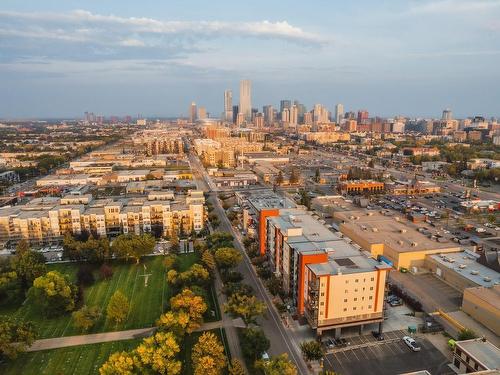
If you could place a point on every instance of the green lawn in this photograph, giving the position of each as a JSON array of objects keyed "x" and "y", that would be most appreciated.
[
  {"x": 146, "y": 303},
  {"x": 76, "y": 360}
]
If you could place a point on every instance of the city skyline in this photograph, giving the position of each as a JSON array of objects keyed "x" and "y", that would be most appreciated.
[{"x": 60, "y": 59}]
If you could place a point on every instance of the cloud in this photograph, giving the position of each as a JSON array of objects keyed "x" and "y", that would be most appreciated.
[
  {"x": 444, "y": 7},
  {"x": 84, "y": 26}
]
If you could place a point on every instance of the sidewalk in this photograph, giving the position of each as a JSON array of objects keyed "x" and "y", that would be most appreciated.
[{"x": 96, "y": 338}]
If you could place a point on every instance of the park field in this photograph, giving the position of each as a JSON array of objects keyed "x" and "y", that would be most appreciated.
[
  {"x": 74, "y": 360},
  {"x": 87, "y": 359},
  {"x": 147, "y": 303}
]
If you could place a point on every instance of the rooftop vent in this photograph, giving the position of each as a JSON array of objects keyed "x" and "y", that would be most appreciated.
[
  {"x": 375, "y": 230},
  {"x": 402, "y": 230},
  {"x": 400, "y": 242},
  {"x": 414, "y": 244},
  {"x": 462, "y": 266},
  {"x": 487, "y": 279},
  {"x": 474, "y": 272}
]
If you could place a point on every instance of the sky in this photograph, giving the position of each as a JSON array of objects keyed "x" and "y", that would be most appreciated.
[{"x": 60, "y": 58}]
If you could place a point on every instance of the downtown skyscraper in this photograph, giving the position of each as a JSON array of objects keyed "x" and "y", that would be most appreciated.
[
  {"x": 228, "y": 106},
  {"x": 339, "y": 113},
  {"x": 245, "y": 107}
]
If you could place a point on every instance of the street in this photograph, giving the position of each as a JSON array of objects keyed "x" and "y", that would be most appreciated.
[{"x": 281, "y": 339}]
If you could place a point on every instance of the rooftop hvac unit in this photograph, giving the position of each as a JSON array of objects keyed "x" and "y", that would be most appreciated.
[
  {"x": 462, "y": 266},
  {"x": 375, "y": 229},
  {"x": 370, "y": 213},
  {"x": 474, "y": 272},
  {"x": 413, "y": 244},
  {"x": 487, "y": 279},
  {"x": 402, "y": 231},
  {"x": 357, "y": 217},
  {"x": 396, "y": 218},
  {"x": 400, "y": 242}
]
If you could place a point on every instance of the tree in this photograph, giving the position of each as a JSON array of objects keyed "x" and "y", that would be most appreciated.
[
  {"x": 279, "y": 365},
  {"x": 133, "y": 246},
  {"x": 171, "y": 262},
  {"x": 294, "y": 176},
  {"x": 191, "y": 304},
  {"x": 227, "y": 257},
  {"x": 55, "y": 293},
  {"x": 279, "y": 178},
  {"x": 86, "y": 317},
  {"x": 105, "y": 272},
  {"x": 158, "y": 352},
  {"x": 85, "y": 275},
  {"x": 244, "y": 306},
  {"x": 118, "y": 307},
  {"x": 121, "y": 363},
  {"x": 208, "y": 355},
  {"x": 311, "y": 350},
  {"x": 175, "y": 322},
  {"x": 253, "y": 343},
  {"x": 27, "y": 264},
  {"x": 236, "y": 368},
  {"x": 466, "y": 334},
  {"x": 208, "y": 260},
  {"x": 15, "y": 336},
  {"x": 317, "y": 175}
]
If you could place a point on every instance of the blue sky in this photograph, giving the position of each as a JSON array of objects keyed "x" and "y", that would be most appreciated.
[{"x": 64, "y": 57}]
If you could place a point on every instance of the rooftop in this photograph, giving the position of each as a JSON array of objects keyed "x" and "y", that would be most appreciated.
[
  {"x": 377, "y": 228},
  {"x": 465, "y": 263},
  {"x": 483, "y": 351},
  {"x": 268, "y": 199}
]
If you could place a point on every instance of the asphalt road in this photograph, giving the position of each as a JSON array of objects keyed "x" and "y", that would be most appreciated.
[{"x": 281, "y": 339}]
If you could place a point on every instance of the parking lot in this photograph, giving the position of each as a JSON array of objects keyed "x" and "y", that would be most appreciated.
[{"x": 366, "y": 355}]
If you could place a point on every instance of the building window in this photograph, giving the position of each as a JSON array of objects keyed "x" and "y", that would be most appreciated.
[
  {"x": 373, "y": 279},
  {"x": 356, "y": 280},
  {"x": 322, "y": 304},
  {"x": 371, "y": 297},
  {"x": 347, "y": 281},
  {"x": 345, "y": 299},
  {"x": 355, "y": 290},
  {"x": 322, "y": 294},
  {"x": 346, "y": 290},
  {"x": 354, "y": 308},
  {"x": 345, "y": 308},
  {"x": 371, "y": 288},
  {"x": 355, "y": 299},
  {"x": 369, "y": 306}
]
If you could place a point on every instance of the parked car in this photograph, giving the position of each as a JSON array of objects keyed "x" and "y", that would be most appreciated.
[
  {"x": 378, "y": 336},
  {"x": 330, "y": 343},
  {"x": 396, "y": 302},
  {"x": 411, "y": 343},
  {"x": 265, "y": 356}
]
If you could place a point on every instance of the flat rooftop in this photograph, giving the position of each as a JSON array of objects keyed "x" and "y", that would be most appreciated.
[
  {"x": 268, "y": 199},
  {"x": 483, "y": 351},
  {"x": 465, "y": 263},
  {"x": 378, "y": 228}
]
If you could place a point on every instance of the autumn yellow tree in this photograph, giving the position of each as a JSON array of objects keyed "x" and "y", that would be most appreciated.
[
  {"x": 279, "y": 365},
  {"x": 236, "y": 368},
  {"x": 118, "y": 307},
  {"x": 244, "y": 306},
  {"x": 175, "y": 322},
  {"x": 191, "y": 304},
  {"x": 159, "y": 352},
  {"x": 208, "y": 355},
  {"x": 121, "y": 363}
]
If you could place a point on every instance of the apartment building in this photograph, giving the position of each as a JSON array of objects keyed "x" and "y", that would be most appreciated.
[
  {"x": 49, "y": 219},
  {"x": 476, "y": 355},
  {"x": 330, "y": 282}
]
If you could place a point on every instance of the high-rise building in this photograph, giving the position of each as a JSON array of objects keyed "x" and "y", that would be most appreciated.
[
  {"x": 447, "y": 115},
  {"x": 320, "y": 114},
  {"x": 294, "y": 115},
  {"x": 285, "y": 104},
  {"x": 258, "y": 120},
  {"x": 202, "y": 113},
  {"x": 339, "y": 113},
  {"x": 268, "y": 114},
  {"x": 285, "y": 115},
  {"x": 236, "y": 110},
  {"x": 192, "y": 113},
  {"x": 363, "y": 116},
  {"x": 240, "y": 119},
  {"x": 246, "y": 99},
  {"x": 228, "y": 105}
]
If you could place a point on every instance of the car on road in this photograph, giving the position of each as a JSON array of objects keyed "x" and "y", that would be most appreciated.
[
  {"x": 265, "y": 356},
  {"x": 411, "y": 343}
]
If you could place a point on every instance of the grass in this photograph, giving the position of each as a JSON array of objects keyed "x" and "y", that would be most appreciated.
[
  {"x": 146, "y": 303},
  {"x": 76, "y": 360}
]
